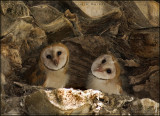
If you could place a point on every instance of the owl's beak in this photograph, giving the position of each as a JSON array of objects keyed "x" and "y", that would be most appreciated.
[
  {"x": 55, "y": 62},
  {"x": 99, "y": 69}
]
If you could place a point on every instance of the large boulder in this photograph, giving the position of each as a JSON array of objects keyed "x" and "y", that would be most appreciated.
[
  {"x": 76, "y": 102},
  {"x": 61, "y": 101}
]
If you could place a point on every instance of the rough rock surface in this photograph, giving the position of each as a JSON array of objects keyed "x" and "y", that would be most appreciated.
[
  {"x": 10, "y": 11},
  {"x": 71, "y": 102},
  {"x": 89, "y": 21},
  {"x": 141, "y": 14},
  {"x": 99, "y": 8},
  {"x": 148, "y": 40},
  {"x": 61, "y": 101},
  {"x": 129, "y": 30}
]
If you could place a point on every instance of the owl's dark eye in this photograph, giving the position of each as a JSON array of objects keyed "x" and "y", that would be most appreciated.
[
  {"x": 59, "y": 53},
  {"x": 109, "y": 71},
  {"x": 103, "y": 61},
  {"x": 49, "y": 56}
]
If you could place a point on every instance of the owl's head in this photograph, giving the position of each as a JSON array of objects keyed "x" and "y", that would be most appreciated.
[
  {"x": 105, "y": 67},
  {"x": 55, "y": 56}
]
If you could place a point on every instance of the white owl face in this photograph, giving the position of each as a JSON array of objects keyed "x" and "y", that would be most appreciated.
[
  {"x": 55, "y": 57},
  {"x": 104, "y": 67}
]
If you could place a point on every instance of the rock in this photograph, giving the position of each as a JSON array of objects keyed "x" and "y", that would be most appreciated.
[
  {"x": 12, "y": 58},
  {"x": 12, "y": 105},
  {"x": 95, "y": 15},
  {"x": 95, "y": 9},
  {"x": 6, "y": 22},
  {"x": 15, "y": 58},
  {"x": 72, "y": 102},
  {"x": 148, "y": 40},
  {"x": 87, "y": 43},
  {"x": 144, "y": 44},
  {"x": 152, "y": 86},
  {"x": 44, "y": 14},
  {"x": 146, "y": 84},
  {"x": 54, "y": 23},
  {"x": 131, "y": 63},
  {"x": 145, "y": 106},
  {"x": 139, "y": 78},
  {"x": 6, "y": 70},
  {"x": 13, "y": 112},
  {"x": 141, "y": 14},
  {"x": 2, "y": 105},
  {"x": 75, "y": 22},
  {"x": 23, "y": 39},
  {"x": 114, "y": 29},
  {"x": 61, "y": 101},
  {"x": 14, "y": 9},
  {"x": 3, "y": 82},
  {"x": 150, "y": 10},
  {"x": 11, "y": 11}
]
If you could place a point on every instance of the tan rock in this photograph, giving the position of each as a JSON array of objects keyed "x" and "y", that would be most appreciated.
[
  {"x": 22, "y": 39},
  {"x": 61, "y": 101},
  {"x": 152, "y": 86},
  {"x": 11, "y": 11},
  {"x": 147, "y": 84},
  {"x": 145, "y": 43},
  {"x": 14, "y": 9},
  {"x": 145, "y": 106},
  {"x": 5, "y": 64},
  {"x": 11, "y": 105},
  {"x": 11, "y": 59},
  {"x": 95, "y": 9},
  {"x": 53, "y": 18},
  {"x": 141, "y": 14},
  {"x": 95, "y": 15},
  {"x": 3, "y": 82},
  {"x": 150, "y": 10},
  {"x": 54, "y": 23}
]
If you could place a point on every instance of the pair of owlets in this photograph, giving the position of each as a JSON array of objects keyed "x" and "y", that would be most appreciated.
[{"x": 53, "y": 64}]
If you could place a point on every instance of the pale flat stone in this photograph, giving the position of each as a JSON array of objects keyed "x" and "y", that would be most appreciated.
[{"x": 95, "y": 9}]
